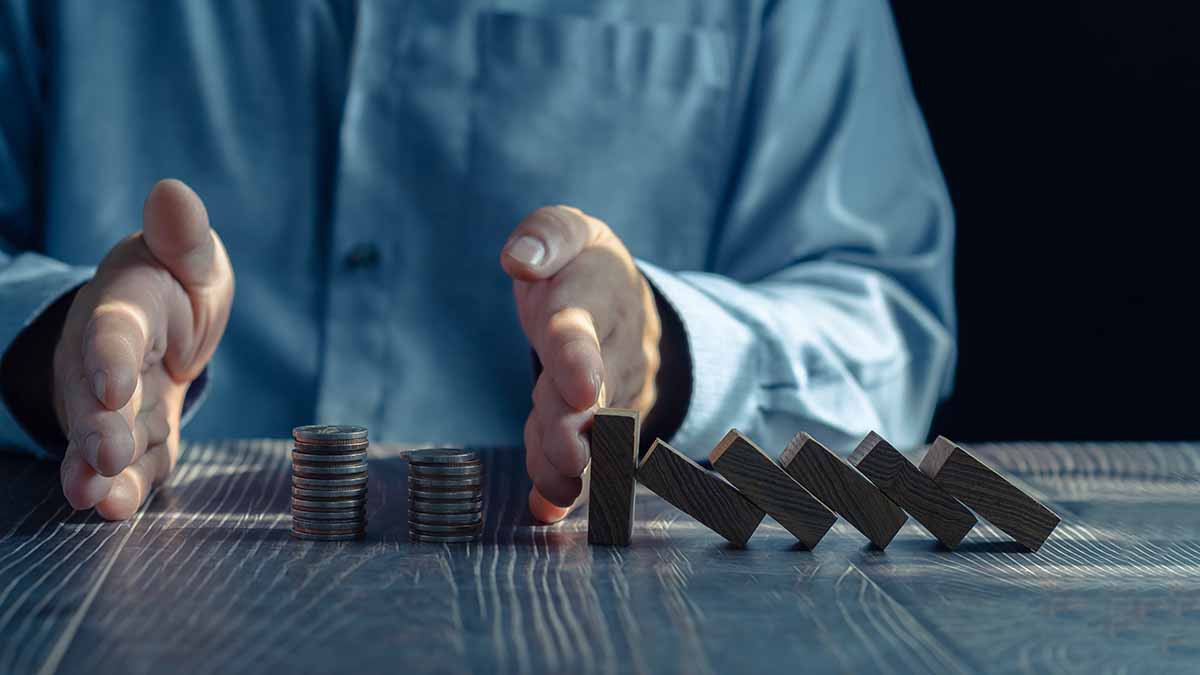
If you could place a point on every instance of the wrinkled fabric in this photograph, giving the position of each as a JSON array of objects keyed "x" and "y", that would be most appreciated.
[{"x": 765, "y": 162}]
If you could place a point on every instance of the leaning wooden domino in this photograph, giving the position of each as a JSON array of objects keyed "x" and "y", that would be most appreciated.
[
  {"x": 614, "y": 443},
  {"x": 698, "y": 492},
  {"x": 768, "y": 486},
  {"x": 842, "y": 488},
  {"x": 913, "y": 491},
  {"x": 978, "y": 486}
]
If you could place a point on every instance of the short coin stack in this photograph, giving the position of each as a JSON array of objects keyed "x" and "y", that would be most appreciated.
[
  {"x": 445, "y": 495},
  {"x": 329, "y": 482}
]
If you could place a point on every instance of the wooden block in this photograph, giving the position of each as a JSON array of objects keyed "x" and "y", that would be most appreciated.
[
  {"x": 769, "y": 487},
  {"x": 842, "y": 488},
  {"x": 614, "y": 443},
  {"x": 698, "y": 492},
  {"x": 991, "y": 495},
  {"x": 913, "y": 491}
]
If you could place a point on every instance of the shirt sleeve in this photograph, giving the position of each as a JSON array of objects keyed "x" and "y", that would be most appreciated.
[
  {"x": 828, "y": 306},
  {"x": 29, "y": 282}
]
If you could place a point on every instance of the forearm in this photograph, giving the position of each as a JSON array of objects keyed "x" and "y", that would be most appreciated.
[
  {"x": 35, "y": 292},
  {"x": 833, "y": 349}
]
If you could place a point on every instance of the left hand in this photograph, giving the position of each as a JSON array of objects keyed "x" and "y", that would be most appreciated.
[{"x": 591, "y": 317}]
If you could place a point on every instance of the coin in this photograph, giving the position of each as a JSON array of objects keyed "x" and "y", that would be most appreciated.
[
  {"x": 446, "y": 495},
  {"x": 429, "y": 528},
  {"x": 359, "y": 513},
  {"x": 442, "y": 456},
  {"x": 330, "y": 493},
  {"x": 424, "y": 506},
  {"x": 442, "y": 538},
  {"x": 445, "y": 518},
  {"x": 326, "y": 433},
  {"x": 329, "y": 504},
  {"x": 439, "y": 470},
  {"x": 435, "y": 483},
  {"x": 330, "y": 482},
  {"x": 331, "y": 448},
  {"x": 299, "y": 468},
  {"x": 328, "y": 536},
  {"x": 317, "y": 525},
  {"x": 328, "y": 457}
]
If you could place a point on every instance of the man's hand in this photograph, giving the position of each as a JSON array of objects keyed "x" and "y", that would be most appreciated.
[
  {"x": 135, "y": 336},
  {"x": 592, "y": 319}
]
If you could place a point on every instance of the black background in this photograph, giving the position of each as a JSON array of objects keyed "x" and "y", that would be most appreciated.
[{"x": 1067, "y": 132}]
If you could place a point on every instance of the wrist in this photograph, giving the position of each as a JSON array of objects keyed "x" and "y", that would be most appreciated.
[
  {"x": 673, "y": 382},
  {"x": 27, "y": 375}
]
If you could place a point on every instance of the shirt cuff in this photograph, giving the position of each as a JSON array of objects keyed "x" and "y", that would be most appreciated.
[
  {"x": 722, "y": 351},
  {"x": 29, "y": 284}
]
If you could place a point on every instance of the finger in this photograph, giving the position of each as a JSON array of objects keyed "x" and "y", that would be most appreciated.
[
  {"x": 176, "y": 230},
  {"x": 131, "y": 487},
  {"x": 81, "y": 485},
  {"x": 547, "y": 240},
  {"x": 101, "y": 437},
  {"x": 570, "y": 350},
  {"x": 177, "y": 233},
  {"x": 544, "y": 510},
  {"x": 114, "y": 343},
  {"x": 561, "y": 427},
  {"x": 557, "y": 488},
  {"x": 151, "y": 429}
]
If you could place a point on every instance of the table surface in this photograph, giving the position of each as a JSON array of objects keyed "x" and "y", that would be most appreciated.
[{"x": 206, "y": 579}]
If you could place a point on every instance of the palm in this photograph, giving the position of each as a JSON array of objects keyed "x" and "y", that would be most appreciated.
[{"x": 134, "y": 338}]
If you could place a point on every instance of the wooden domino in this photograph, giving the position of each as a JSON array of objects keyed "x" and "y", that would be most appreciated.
[
  {"x": 842, "y": 488},
  {"x": 912, "y": 490},
  {"x": 769, "y": 487},
  {"x": 698, "y": 492},
  {"x": 614, "y": 444},
  {"x": 1003, "y": 504}
]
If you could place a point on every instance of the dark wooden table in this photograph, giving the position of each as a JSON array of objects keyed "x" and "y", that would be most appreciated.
[{"x": 206, "y": 579}]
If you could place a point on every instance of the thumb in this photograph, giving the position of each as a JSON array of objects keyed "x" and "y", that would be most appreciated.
[
  {"x": 175, "y": 229},
  {"x": 547, "y": 239}
]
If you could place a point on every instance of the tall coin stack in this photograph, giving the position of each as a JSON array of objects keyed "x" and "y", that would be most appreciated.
[
  {"x": 445, "y": 496},
  {"x": 329, "y": 482}
]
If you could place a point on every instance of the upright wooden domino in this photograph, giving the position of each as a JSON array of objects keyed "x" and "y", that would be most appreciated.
[
  {"x": 1003, "y": 504},
  {"x": 698, "y": 492},
  {"x": 913, "y": 491},
  {"x": 842, "y": 488},
  {"x": 614, "y": 443},
  {"x": 769, "y": 487}
]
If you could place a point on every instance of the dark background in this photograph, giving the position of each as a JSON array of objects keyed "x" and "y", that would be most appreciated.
[{"x": 1067, "y": 132}]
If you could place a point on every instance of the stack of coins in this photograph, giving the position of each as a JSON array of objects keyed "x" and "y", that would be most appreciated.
[
  {"x": 329, "y": 483},
  {"x": 445, "y": 496}
]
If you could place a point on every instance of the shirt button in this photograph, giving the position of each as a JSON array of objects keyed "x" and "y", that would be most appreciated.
[{"x": 363, "y": 255}]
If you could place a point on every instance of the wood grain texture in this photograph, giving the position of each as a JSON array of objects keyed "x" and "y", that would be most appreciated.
[
  {"x": 912, "y": 490},
  {"x": 699, "y": 493},
  {"x": 614, "y": 444},
  {"x": 769, "y": 487},
  {"x": 206, "y": 580},
  {"x": 842, "y": 488},
  {"x": 991, "y": 495}
]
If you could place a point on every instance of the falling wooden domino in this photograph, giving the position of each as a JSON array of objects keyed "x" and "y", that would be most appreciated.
[
  {"x": 614, "y": 444},
  {"x": 842, "y": 488},
  {"x": 698, "y": 492},
  {"x": 912, "y": 490},
  {"x": 991, "y": 495},
  {"x": 769, "y": 487}
]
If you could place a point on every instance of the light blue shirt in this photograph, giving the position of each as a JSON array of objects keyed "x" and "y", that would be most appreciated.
[{"x": 765, "y": 162}]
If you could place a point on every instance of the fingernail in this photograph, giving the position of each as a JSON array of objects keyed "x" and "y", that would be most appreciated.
[
  {"x": 528, "y": 250},
  {"x": 92, "y": 445},
  {"x": 99, "y": 383}
]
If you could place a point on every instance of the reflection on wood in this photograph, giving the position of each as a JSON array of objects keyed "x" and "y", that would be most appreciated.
[{"x": 207, "y": 580}]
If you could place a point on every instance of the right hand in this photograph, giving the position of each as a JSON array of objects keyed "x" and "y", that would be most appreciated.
[{"x": 134, "y": 338}]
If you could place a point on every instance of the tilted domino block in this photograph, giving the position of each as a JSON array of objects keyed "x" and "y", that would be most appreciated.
[{"x": 699, "y": 493}]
